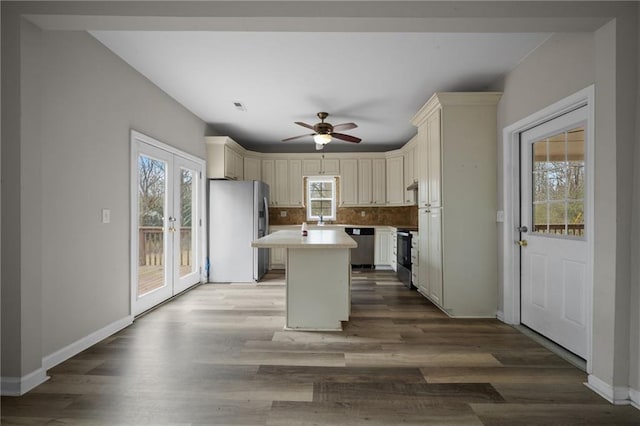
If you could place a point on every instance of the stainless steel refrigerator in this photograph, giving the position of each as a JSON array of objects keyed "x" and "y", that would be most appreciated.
[{"x": 238, "y": 214}]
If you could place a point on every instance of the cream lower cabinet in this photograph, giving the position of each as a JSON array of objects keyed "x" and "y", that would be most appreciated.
[
  {"x": 458, "y": 266},
  {"x": 382, "y": 244},
  {"x": 430, "y": 255},
  {"x": 394, "y": 249},
  {"x": 277, "y": 257},
  {"x": 415, "y": 257}
]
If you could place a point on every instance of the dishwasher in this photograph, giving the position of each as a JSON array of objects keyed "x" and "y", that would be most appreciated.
[{"x": 362, "y": 255}]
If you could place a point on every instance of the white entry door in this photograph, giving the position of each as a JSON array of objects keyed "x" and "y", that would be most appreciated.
[
  {"x": 166, "y": 223},
  {"x": 554, "y": 299}
]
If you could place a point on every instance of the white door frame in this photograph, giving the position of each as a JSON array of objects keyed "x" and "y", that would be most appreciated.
[
  {"x": 136, "y": 138},
  {"x": 511, "y": 202}
]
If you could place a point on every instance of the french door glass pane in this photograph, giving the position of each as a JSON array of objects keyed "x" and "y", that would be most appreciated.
[
  {"x": 152, "y": 201},
  {"x": 187, "y": 222},
  {"x": 558, "y": 184}
]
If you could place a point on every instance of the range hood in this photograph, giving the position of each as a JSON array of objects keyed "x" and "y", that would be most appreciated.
[{"x": 413, "y": 187}]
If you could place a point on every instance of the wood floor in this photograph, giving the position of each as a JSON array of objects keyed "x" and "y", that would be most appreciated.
[{"x": 219, "y": 355}]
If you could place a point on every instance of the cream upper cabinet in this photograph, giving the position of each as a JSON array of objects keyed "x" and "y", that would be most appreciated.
[
  {"x": 372, "y": 186},
  {"x": 295, "y": 183},
  {"x": 395, "y": 181},
  {"x": 252, "y": 168},
  {"x": 365, "y": 182},
  {"x": 269, "y": 177},
  {"x": 224, "y": 160},
  {"x": 281, "y": 197},
  {"x": 233, "y": 164},
  {"x": 423, "y": 159},
  {"x": 379, "y": 182},
  {"x": 429, "y": 146},
  {"x": 331, "y": 166},
  {"x": 457, "y": 258},
  {"x": 311, "y": 167},
  {"x": 434, "y": 177},
  {"x": 348, "y": 182},
  {"x": 410, "y": 174},
  {"x": 321, "y": 166}
]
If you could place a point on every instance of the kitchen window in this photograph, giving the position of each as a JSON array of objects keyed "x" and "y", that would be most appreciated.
[{"x": 321, "y": 198}]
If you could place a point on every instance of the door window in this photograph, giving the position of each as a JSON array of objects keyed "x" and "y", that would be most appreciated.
[{"x": 558, "y": 184}]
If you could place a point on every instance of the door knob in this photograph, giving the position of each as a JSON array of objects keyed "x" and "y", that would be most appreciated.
[
  {"x": 522, "y": 243},
  {"x": 523, "y": 229}
]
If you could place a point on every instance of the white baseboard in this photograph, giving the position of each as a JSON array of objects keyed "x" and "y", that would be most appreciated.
[
  {"x": 500, "y": 316},
  {"x": 16, "y": 386},
  {"x": 617, "y": 395},
  {"x": 78, "y": 346},
  {"x": 634, "y": 395}
]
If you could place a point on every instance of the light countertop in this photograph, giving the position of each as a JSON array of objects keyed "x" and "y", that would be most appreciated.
[{"x": 316, "y": 238}]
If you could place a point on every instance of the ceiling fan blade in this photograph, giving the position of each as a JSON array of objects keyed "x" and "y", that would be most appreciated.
[
  {"x": 345, "y": 126},
  {"x": 297, "y": 137},
  {"x": 308, "y": 126},
  {"x": 347, "y": 138}
]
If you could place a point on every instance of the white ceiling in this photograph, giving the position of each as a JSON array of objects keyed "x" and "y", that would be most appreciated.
[{"x": 377, "y": 80}]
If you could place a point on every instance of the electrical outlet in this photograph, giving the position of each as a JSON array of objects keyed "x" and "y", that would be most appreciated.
[
  {"x": 362, "y": 213},
  {"x": 283, "y": 213}
]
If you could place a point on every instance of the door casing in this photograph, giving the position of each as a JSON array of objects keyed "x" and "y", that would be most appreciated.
[{"x": 511, "y": 203}]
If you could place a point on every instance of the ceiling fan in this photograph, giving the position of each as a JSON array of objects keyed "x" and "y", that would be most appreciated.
[{"x": 324, "y": 132}]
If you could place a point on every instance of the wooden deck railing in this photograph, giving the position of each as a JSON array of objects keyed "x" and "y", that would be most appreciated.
[
  {"x": 573, "y": 229},
  {"x": 151, "y": 245}
]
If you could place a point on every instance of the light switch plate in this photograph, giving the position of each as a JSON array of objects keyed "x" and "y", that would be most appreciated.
[
  {"x": 106, "y": 216},
  {"x": 283, "y": 213},
  {"x": 362, "y": 213},
  {"x": 500, "y": 216}
]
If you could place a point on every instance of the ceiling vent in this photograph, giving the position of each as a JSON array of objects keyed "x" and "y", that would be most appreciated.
[{"x": 239, "y": 106}]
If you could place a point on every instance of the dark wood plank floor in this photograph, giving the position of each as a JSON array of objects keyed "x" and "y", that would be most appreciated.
[{"x": 219, "y": 355}]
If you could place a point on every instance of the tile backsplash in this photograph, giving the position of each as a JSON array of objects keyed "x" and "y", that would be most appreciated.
[{"x": 390, "y": 216}]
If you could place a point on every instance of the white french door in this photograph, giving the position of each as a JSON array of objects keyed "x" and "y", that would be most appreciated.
[
  {"x": 167, "y": 208},
  {"x": 553, "y": 238}
]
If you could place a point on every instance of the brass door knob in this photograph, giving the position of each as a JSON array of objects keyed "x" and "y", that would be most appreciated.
[{"x": 522, "y": 243}]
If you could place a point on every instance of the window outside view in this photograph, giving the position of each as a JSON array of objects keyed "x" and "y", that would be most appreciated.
[
  {"x": 321, "y": 199},
  {"x": 558, "y": 184}
]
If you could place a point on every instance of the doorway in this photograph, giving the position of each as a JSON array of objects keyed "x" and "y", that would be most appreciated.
[
  {"x": 167, "y": 233},
  {"x": 553, "y": 247},
  {"x": 548, "y": 223}
]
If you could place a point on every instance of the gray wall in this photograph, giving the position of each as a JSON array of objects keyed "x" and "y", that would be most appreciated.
[
  {"x": 563, "y": 65},
  {"x": 90, "y": 101},
  {"x": 65, "y": 274}
]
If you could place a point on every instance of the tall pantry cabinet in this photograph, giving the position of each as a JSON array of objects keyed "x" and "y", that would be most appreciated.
[{"x": 457, "y": 139}]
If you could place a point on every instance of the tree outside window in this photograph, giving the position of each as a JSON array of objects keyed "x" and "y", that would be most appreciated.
[{"x": 321, "y": 198}]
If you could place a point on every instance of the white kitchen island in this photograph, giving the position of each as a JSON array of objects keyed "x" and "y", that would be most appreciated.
[{"x": 318, "y": 276}]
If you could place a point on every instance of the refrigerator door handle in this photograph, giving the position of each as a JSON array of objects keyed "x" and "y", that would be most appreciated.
[{"x": 266, "y": 215}]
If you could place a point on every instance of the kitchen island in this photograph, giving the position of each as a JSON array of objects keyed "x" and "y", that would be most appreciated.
[{"x": 318, "y": 276}]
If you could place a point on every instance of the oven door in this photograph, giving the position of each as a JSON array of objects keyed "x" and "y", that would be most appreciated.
[{"x": 403, "y": 250}]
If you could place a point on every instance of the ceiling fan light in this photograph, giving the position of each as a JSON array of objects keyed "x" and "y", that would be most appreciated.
[{"x": 322, "y": 138}]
